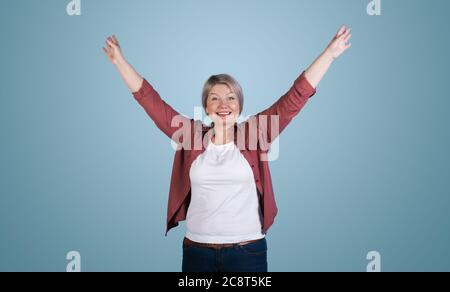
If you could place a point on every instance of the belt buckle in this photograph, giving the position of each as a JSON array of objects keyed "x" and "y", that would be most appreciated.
[{"x": 216, "y": 246}]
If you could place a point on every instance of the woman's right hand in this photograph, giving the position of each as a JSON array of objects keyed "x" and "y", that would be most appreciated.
[{"x": 113, "y": 50}]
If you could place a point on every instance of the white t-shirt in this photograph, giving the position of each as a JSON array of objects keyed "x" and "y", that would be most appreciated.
[{"x": 224, "y": 205}]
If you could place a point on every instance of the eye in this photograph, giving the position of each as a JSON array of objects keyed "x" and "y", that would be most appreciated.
[
  {"x": 231, "y": 98},
  {"x": 213, "y": 98}
]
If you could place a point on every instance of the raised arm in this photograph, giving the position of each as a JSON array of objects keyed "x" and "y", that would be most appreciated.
[
  {"x": 290, "y": 104},
  {"x": 165, "y": 117},
  {"x": 338, "y": 45},
  {"x": 114, "y": 53}
]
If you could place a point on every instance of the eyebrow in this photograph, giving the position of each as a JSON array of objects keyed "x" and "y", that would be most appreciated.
[{"x": 211, "y": 93}]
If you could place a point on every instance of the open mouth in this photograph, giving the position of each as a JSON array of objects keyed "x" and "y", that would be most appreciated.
[{"x": 223, "y": 114}]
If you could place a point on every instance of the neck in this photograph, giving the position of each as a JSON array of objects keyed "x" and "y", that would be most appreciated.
[{"x": 223, "y": 134}]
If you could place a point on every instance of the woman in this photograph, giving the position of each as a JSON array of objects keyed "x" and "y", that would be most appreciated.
[{"x": 221, "y": 182}]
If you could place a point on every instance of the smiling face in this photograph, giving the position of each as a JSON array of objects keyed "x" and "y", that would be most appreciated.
[{"x": 222, "y": 105}]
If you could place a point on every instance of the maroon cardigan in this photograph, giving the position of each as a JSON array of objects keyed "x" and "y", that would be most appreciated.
[{"x": 171, "y": 123}]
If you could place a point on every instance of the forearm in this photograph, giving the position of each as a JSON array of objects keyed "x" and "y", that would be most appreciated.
[
  {"x": 318, "y": 68},
  {"x": 129, "y": 75}
]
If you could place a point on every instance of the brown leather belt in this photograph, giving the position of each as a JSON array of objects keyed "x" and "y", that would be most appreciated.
[{"x": 188, "y": 242}]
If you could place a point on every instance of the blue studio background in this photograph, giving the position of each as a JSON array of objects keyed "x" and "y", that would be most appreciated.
[{"x": 365, "y": 166}]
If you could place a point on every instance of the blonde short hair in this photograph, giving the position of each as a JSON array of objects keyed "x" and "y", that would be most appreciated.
[{"x": 227, "y": 80}]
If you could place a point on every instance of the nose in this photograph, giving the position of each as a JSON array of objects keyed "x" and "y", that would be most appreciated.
[
  {"x": 223, "y": 103},
  {"x": 223, "y": 108}
]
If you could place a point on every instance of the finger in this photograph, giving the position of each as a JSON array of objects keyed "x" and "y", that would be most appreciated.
[
  {"x": 110, "y": 44},
  {"x": 345, "y": 34},
  {"x": 341, "y": 30},
  {"x": 348, "y": 46},
  {"x": 347, "y": 38},
  {"x": 105, "y": 51},
  {"x": 115, "y": 40}
]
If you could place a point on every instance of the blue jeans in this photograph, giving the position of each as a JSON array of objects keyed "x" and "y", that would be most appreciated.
[{"x": 251, "y": 257}]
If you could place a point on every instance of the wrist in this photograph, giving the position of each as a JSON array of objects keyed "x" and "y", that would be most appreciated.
[
  {"x": 328, "y": 56},
  {"x": 120, "y": 62}
]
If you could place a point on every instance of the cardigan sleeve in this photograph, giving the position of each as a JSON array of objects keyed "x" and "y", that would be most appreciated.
[
  {"x": 168, "y": 120},
  {"x": 272, "y": 121}
]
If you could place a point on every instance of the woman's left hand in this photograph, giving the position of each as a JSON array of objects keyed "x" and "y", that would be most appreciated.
[{"x": 340, "y": 43}]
